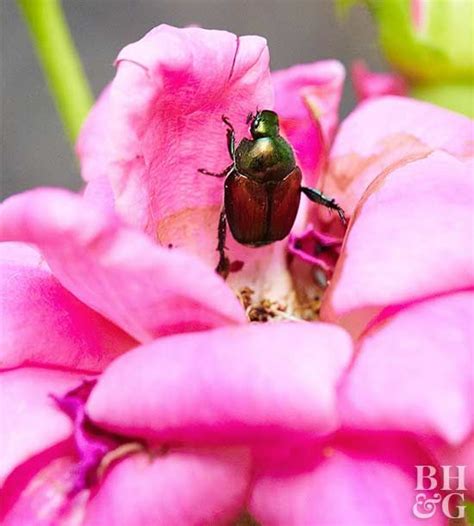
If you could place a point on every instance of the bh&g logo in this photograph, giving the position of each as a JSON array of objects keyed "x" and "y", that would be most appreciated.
[{"x": 451, "y": 480}]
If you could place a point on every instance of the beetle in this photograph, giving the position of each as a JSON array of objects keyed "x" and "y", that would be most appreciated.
[{"x": 262, "y": 187}]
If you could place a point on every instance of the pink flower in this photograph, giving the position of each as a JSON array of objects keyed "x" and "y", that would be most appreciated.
[
  {"x": 220, "y": 375},
  {"x": 207, "y": 416}
]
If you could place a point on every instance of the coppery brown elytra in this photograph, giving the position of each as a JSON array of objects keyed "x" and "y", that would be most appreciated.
[{"x": 262, "y": 187}]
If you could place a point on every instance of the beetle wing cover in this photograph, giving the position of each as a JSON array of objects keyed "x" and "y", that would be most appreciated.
[
  {"x": 285, "y": 201},
  {"x": 246, "y": 207}
]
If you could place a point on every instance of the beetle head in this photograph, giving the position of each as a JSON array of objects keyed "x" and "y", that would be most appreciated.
[{"x": 264, "y": 124}]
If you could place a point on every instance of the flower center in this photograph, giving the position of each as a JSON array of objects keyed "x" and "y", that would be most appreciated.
[{"x": 266, "y": 310}]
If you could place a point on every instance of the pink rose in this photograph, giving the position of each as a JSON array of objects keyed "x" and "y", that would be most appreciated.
[{"x": 208, "y": 416}]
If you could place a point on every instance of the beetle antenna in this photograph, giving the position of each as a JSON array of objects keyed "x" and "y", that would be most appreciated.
[{"x": 249, "y": 118}]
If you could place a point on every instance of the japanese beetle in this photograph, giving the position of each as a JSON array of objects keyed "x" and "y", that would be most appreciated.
[{"x": 262, "y": 187}]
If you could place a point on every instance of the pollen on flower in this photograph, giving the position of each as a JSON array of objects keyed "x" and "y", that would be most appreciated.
[
  {"x": 246, "y": 519},
  {"x": 309, "y": 310},
  {"x": 266, "y": 310}
]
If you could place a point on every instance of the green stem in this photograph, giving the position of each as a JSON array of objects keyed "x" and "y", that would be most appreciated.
[{"x": 60, "y": 62}]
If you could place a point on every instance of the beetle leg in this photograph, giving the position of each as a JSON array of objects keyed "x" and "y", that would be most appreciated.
[
  {"x": 318, "y": 197},
  {"x": 213, "y": 174},
  {"x": 223, "y": 266},
  {"x": 230, "y": 137}
]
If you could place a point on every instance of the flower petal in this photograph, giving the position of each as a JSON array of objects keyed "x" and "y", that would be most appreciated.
[
  {"x": 368, "y": 84},
  {"x": 46, "y": 500},
  {"x": 412, "y": 237},
  {"x": 145, "y": 289},
  {"x": 353, "y": 483},
  {"x": 162, "y": 116},
  {"x": 414, "y": 372},
  {"x": 99, "y": 193},
  {"x": 387, "y": 132},
  {"x": 269, "y": 382},
  {"x": 192, "y": 487},
  {"x": 31, "y": 421},
  {"x": 43, "y": 323},
  {"x": 459, "y": 455},
  {"x": 93, "y": 142},
  {"x": 307, "y": 99},
  {"x": 21, "y": 477},
  {"x": 22, "y": 254}
]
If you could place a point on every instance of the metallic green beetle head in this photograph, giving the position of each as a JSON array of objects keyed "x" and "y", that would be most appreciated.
[{"x": 264, "y": 124}]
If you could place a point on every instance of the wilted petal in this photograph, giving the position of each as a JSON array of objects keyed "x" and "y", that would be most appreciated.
[
  {"x": 411, "y": 237},
  {"x": 31, "y": 421},
  {"x": 307, "y": 100},
  {"x": 387, "y": 132},
  {"x": 43, "y": 323},
  {"x": 145, "y": 289},
  {"x": 414, "y": 372},
  {"x": 369, "y": 84},
  {"x": 351, "y": 482},
  {"x": 192, "y": 487},
  {"x": 264, "y": 382}
]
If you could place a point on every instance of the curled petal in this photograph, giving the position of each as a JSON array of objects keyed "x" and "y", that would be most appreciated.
[
  {"x": 307, "y": 100},
  {"x": 412, "y": 237},
  {"x": 414, "y": 372},
  {"x": 161, "y": 117},
  {"x": 388, "y": 132},
  {"x": 368, "y": 84},
  {"x": 145, "y": 289},
  {"x": 192, "y": 487},
  {"x": 31, "y": 421},
  {"x": 266, "y": 382},
  {"x": 44, "y": 324}
]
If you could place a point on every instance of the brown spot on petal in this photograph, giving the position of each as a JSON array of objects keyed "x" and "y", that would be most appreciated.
[
  {"x": 194, "y": 229},
  {"x": 351, "y": 174},
  {"x": 245, "y": 519}
]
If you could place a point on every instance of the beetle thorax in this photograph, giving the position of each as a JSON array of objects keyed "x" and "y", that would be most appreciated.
[{"x": 265, "y": 159}]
